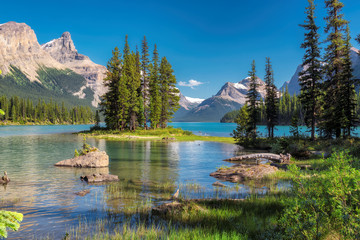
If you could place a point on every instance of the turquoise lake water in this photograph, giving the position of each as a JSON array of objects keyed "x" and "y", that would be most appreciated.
[{"x": 45, "y": 194}]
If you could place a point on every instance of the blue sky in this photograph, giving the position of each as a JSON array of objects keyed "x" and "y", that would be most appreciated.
[{"x": 212, "y": 42}]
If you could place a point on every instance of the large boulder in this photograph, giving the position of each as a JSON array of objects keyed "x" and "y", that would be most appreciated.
[{"x": 95, "y": 159}]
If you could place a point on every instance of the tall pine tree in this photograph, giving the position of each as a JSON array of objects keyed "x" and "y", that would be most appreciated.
[
  {"x": 311, "y": 77},
  {"x": 145, "y": 77},
  {"x": 271, "y": 99},
  {"x": 109, "y": 104},
  {"x": 155, "y": 98},
  {"x": 252, "y": 101},
  {"x": 169, "y": 93},
  {"x": 334, "y": 58},
  {"x": 348, "y": 89}
]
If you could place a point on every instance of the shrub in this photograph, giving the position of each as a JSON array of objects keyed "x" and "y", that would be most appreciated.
[
  {"x": 9, "y": 220},
  {"x": 325, "y": 202}
]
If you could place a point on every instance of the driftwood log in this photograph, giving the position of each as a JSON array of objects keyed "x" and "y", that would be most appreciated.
[{"x": 270, "y": 156}]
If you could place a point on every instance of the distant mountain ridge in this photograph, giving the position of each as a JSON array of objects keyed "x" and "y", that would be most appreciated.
[
  {"x": 52, "y": 71},
  {"x": 293, "y": 84},
  {"x": 230, "y": 97}
]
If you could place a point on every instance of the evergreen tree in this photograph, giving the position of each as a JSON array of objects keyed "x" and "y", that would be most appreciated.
[
  {"x": 271, "y": 99},
  {"x": 334, "y": 58},
  {"x": 310, "y": 78},
  {"x": 145, "y": 63},
  {"x": 168, "y": 92},
  {"x": 252, "y": 101},
  {"x": 131, "y": 77},
  {"x": 112, "y": 100},
  {"x": 97, "y": 119},
  {"x": 294, "y": 126},
  {"x": 155, "y": 98},
  {"x": 243, "y": 129},
  {"x": 348, "y": 92}
]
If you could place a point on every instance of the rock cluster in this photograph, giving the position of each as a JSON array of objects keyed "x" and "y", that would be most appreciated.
[{"x": 95, "y": 159}]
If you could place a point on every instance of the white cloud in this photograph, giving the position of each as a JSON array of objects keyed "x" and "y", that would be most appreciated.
[{"x": 191, "y": 83}]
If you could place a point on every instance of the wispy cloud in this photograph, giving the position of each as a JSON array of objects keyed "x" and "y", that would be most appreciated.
[{"x": 191, "y": 83}]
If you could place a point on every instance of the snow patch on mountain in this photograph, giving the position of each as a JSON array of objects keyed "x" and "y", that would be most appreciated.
[{"x": 194, "y": 100}]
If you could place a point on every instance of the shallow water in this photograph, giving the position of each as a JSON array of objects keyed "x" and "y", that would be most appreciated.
[{"x": 45, "y": 194}]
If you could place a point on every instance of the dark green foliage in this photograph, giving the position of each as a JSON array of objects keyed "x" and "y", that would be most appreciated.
[
  {"x": 243, "y": 130},
  {"x": 112, "y": 104},
  {"x": 288, "y": 105},
  {"x": 271, "y": 100},
  {"x": 24, "y": 111},
  {"x": 131, "y": 77},
  {"x": 58, "y": 85},
  {"x": 252, "y": 99},
  {"x": 9, "y": 220},
  {"x": 294, "y": 126},
  {"x": 333, "y": 114},
  {"x": 138, "y": 91},
  {"x": 155, "y": 98},
  {"x": 169, "y": 93},
  {"x": 97, "y": 118},
  {"x": 145, "y": 78},
  {"x": 348, "y": 99},
  {"x": 230, "y": 117},
  {"x": 311, "y": 77}
]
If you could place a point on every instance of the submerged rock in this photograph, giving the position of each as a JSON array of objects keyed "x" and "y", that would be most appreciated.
[
  {"x": 218, "y": 184},
  {"x": 83, "y": 192},
  {"x": 95, "y": 159},
  {"x": 241, "y": 172},
  {"x": 98, "y": 177}
]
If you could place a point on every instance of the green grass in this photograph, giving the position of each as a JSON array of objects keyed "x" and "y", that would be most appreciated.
[
  {"x": 170, "y": 134},
  {"x": 207, "y": 219}
]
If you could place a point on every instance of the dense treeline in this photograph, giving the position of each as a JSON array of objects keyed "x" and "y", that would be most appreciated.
[
  {"x": 141, "y": 90},
  {"x": 25, "y": 111},
  {"x": 286, "y": 106},
  {"x": 327, "y": 102}
]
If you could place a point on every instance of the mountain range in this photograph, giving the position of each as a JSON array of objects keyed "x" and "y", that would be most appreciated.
[
  {"x": 54, "y": 70},
  {"x": 294, "y": 87},
  {"x": 230, "y": 97}
]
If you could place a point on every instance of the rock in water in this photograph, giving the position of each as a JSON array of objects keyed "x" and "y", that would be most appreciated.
[
  {"x": 218, "y": 184},
  {"x": 98, "y": 177},
  {"x": 90, "y": 160},
  {"x": 82, "y": 193}
]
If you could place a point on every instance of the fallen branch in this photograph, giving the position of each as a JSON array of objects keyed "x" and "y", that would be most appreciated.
[{"x": 256, "y": 156}]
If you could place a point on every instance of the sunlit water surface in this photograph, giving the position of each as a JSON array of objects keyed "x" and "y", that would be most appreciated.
[{"x": 45, "y": 194}]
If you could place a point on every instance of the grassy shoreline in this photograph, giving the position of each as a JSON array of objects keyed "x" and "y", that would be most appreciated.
[{"x": 167, "y": 134}]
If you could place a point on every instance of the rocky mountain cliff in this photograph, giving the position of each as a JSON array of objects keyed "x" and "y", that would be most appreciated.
[
  {"x": 293, "y": 84},
  {"x": 19, "y": 47},
  {"x": 54, "y": 70},
  {"x": 64, "y": 51},
  {"x": 230, "y": 97}
]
